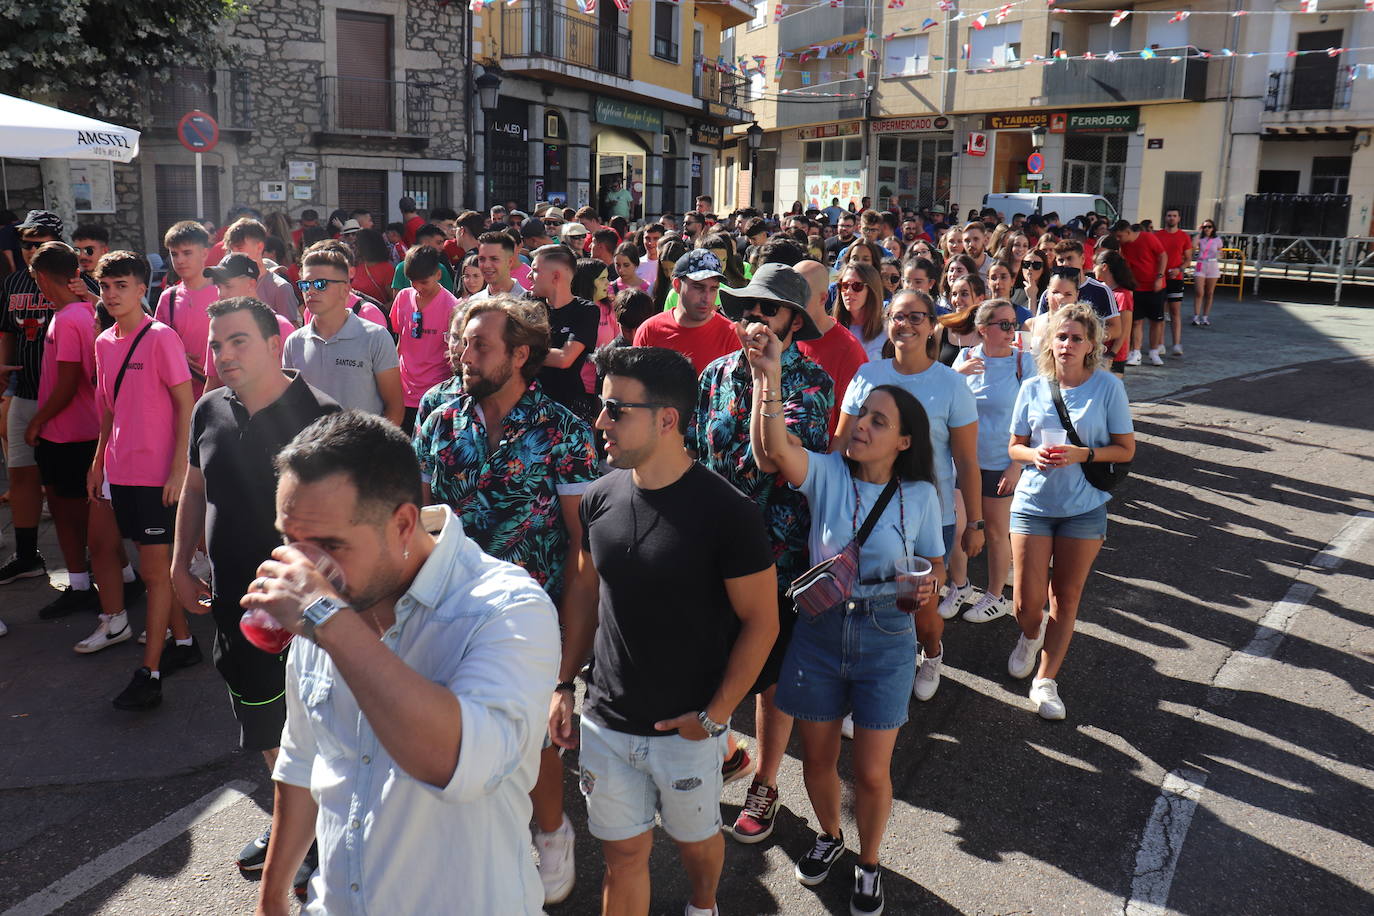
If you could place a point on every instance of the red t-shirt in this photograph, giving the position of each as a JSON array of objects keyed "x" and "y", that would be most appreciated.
[
  {"x": 701, "y": 345},
  {"x": 1142, "y": 256},
  {"x": 1125, "y": 303},
  {"x": 840, "y": 355},
  {"x": 1174, "y": 244},
  {"x": 375, "y": 280},
  {"x": 412, "y": 226}
]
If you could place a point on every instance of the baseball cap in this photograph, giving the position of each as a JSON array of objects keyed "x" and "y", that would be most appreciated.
[
  {"x": 233, "y": 265},
  {"x": 698, "y": 264},
  {"x": 44, "y": 220},
  {"x": 533, "y": 229}
]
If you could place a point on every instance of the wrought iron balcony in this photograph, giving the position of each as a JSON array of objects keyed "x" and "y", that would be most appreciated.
[
  {"x": 1315, "y": 90},
  {"x": 359, "y": 107},
  {"x": 835, "y": 101},
  {"x": 724, "y": 95},
  {"x": 1128, "y": 79},
  {"x": 223, "y": 94},
  {"x": 544, "y": 34}
]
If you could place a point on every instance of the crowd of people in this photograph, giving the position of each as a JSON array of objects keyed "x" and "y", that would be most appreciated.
[{"x": 509, "y": 451}]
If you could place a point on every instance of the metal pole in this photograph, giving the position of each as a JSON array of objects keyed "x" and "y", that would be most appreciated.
[
  {"x": 1340, "y": 268},
  {"x": 200, "y": 189}
]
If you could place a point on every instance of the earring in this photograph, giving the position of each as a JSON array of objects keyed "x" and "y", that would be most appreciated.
[{"x": 405, "y": 554}]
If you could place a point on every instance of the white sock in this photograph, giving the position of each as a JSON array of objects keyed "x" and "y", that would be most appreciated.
[
  {"x": 117, "y": 622},
  {"x": 157, "y": 675},
  {"x": 79, "y": 581},
  {"x": 128, "y": 572},
  {"x": 185, "y": 642}
]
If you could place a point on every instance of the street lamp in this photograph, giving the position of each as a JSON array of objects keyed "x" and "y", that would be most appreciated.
[
  {"x": 488, "y": 90},
  {"x": 1038, "y": 135},
  {"x": 755, "y": 137}
]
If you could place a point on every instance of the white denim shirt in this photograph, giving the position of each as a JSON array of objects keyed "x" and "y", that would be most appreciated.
[{"x": 390, "y": 844}]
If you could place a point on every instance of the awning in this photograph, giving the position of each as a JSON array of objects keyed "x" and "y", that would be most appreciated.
[{"x": 29, "y": 130}]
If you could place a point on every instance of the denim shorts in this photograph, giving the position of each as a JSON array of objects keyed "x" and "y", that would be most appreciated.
[
  {"x": 947, "y": 532},
  {"x": 627, "y": 779},
  {"x": 1089, "y": 526},
  {"x": 859, "y": 657}
]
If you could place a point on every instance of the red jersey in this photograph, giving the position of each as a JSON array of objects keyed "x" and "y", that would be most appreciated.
[
  {"x": 840, "y": 354},
  {"x": 1174, "y": 244},
  {"x": 1142, "y": 256}
]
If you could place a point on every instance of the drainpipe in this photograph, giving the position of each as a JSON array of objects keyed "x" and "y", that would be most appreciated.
[
  {"x": 469, "y": 178},
  {"x": 1224, "y": 162}
]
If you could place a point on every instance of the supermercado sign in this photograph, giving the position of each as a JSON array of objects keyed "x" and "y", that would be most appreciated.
[{"x": 909, "y": 125}]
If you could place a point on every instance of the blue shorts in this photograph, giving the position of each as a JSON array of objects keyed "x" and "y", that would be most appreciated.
[
  {"x": 627, "y": 779},
  {"x": 948, "y": 533},
  {"x": 1090, "y": 526},
  {"x": 859, "y": 657}
]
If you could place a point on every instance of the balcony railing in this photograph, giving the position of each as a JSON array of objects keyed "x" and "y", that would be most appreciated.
[
  {"x": 804, "y": 109},
  {"x": 539, "y": 31},
  {"x": 1317, "y": 90},
  {"x": 1103, "y": 82},
  {"x": 223, "y": 94},
  {"x": 721, "y": 88},
  {"x": 355, "y": 106},
  {"x": 820, "y": 24}
]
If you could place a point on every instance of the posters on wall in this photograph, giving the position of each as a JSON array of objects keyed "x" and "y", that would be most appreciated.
[{"x": 93, "y": 186}]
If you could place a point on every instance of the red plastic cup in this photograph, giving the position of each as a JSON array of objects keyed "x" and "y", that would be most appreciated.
[
  {"x": 261, "y": 628},
  {"x": 911, "y": 572}
]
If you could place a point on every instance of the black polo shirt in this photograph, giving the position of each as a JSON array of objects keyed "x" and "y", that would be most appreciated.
[{"x": 234, "y": 452}]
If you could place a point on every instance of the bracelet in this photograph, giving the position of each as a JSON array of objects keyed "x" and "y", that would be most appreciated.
[
  {"x": 565, "y": 685},
  {"x": 770, "y": 400},
  {"x": 1092, "y": 453},
  {"x": 771, "y": 416}
]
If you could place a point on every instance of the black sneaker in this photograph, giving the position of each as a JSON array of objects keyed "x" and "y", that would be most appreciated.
[
  {"x": 867, "y": 899},
  {"x": 175, "y": 657},
  {"x": 23, "y": 568},
  {"x": 254, "y": 855},
  {"x": 133, "y": 591},
  {"x": 143, "y": 692},
  {"x": 307, "y": 870},
  {"x": 69, "y": 601},
  {"x": 813, "y": 867}
]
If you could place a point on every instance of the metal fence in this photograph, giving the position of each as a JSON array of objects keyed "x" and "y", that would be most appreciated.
[
  {"x": 1341, "y": 261},
  {"x": 535, "y": 30},
  {"x": 372, "y": 107}
]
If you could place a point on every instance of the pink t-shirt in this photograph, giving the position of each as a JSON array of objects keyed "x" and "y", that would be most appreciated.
[
  {"x": 366, "y": 311},
  {"x": 70, "y": 338},
  {"x": 521, "y": 274},
  {"x": 424, "y": 359},
  {"x": 190, "y": 322},
  {"x": 143, "y": 441}
]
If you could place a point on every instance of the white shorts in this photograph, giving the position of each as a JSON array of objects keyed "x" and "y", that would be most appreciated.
[
  {"x": 20, "y": 453},
  {"x": 1208, "y": 270}
]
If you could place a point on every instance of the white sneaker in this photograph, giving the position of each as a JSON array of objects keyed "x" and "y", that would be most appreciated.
[
  {"x": 954, "y": 598},
  {"x": 846, "y": 727},
  {"x": 1044, "y": 693},
  {"x": 1133, "y": 358},
  {"x": 1155, "y": 358},
  {"x": 110, "y": 631},
  {"x": 1178, "y": 350},
  {"x": 1023, "y": 658},
  {"x": 556, "y": 868},
  {"x": 698, "y": 911},
  {"x": 988, "y": 607},
  {"x": 928, "y": 676}
]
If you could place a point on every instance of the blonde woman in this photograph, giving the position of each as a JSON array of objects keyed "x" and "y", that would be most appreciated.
[{"x": 1058, "y": 518}]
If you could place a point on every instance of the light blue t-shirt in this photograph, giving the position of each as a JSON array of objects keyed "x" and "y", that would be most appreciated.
[
  {"x": 995, "y": 391},
  {"x": 829, "y": 489},
  {"x": 948, "y": 403},
  {"x": 1099, "y": 410}
]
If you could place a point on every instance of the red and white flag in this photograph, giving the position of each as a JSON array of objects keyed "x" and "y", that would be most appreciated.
[
  {"x": 622, "y": 5},
  {"x": 1002, "y": 12},
  {"x": 1180, "y": 16},
  {"x": 1309, "y": 6},
  {"x": 1119, "y": 17}
]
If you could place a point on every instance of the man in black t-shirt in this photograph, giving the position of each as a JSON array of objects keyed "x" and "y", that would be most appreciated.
[
  {"x": 573, "y": 325},
  {"x": 687, "y": 614},
  {"x": 230, "y": 497}
]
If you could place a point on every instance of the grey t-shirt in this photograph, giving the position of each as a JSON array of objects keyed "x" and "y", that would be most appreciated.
[
  {"x": 276, "y": 291},
  {"x": 344, "y": 366}
]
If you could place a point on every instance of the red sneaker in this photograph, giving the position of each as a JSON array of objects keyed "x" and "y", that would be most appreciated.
[
  {"x": 755, "y": 821},
  {"x": 737, "y": 766}
]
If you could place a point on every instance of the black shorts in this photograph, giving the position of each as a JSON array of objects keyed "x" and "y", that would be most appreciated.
[
  {"x": 141, "y": 515},
  {"x": 260, "y": 724},
  {"x": 1119, "y": 366},
  {"x": 1174, "y": 289},
  {"x": 990, "y": 479},
  {"x": 1149, "y": 305},
  {"x": 772, "y": 667},
  {"x": 63, "y": 466}
]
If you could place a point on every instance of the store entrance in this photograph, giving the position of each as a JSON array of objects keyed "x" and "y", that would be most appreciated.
[
  {"x": 1009, "y": 161},
  {"x": 619, "y": 178}
]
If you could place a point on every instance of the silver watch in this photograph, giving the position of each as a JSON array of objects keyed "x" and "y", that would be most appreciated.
[
  {"x": 319, "y": 611},
  {"x": 713, "y": 729}
]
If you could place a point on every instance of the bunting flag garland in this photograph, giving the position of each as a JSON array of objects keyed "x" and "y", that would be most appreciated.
[
  {"x": 622, "y": 5},
  {"x": 1119, "y": 17},
  {"x": 946, "y": 5},
  {"x": 1308, "y": 6},
  {"x": 981, "y": 22},
  {"x": 931, "y": 23},
  {"x": 586, "y": 6},
  {"x": 1002, "y": 11},
  {"x": 895, "y": 4},
  {"x": 836, "y": 3},
  {"x": 476, "y": 5},
  {"x": 1179, "y": 16},
  {"x": 1147, "y": 54},
  {"x": 778, "y": 12}
]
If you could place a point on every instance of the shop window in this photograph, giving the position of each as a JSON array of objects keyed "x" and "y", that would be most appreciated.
[
  {"x": 853, "y": 149},
  {"x": 995, "y": 46},
  {"x": 907, "y": 55},
  {"x": 666, "y": 29},
  {"x": 812, "y": 152}
]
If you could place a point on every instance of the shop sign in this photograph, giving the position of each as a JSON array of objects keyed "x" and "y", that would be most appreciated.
[
  {"x": 1091, "y": 121},
  {"x": 1016, "y": 120},
  {"x": 615, "y": 113},
  {"x": 707, "y": 134},
  {"x": 910, "y": 125},
  {"x": 820, "y": 132}
]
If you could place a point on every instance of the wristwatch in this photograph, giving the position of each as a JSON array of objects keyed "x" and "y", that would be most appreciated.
[
  {"x": 978, "y": 525},
  {"x": 713, "y": 729},
  {"x": 317, "y": 612}
]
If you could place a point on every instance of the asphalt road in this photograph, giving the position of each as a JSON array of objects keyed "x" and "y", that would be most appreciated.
[{"x": 1217, "y": 757}]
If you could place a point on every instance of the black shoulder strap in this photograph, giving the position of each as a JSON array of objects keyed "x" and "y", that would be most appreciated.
[
  {"x": 119, "y": 379},
  {"x": 172, "y": 310},
  {"x": 1063, "y": 410},
  {"x": 877, "y": 510}
]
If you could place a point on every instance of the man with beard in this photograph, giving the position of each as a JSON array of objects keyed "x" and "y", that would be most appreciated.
[{"x": 512, "y": 464}]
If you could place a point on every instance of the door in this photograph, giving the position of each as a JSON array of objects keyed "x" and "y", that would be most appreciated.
[
  {"x": 1181, "y": 192},
  {"x": 364, "y": 98},
  {"x": 1314, "y": 75}
]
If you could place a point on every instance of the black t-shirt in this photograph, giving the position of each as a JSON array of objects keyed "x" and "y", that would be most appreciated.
[
  {"x": 234, "y": 452},
  {"x": 834, "y": 244},
  {"x": 666, "y": 623},
  {"x": 579, "y": 320}
]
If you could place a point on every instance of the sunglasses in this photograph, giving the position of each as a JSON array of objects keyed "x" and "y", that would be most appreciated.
[
  {"x": 319, "y": 284},
  {"x": 854, "y": 286},
  {"x": 417, "y": 322},
  {"x": 1007, "y": 326},
  {"x": 87, "y": 250},
  {"x": 1033, "y": 265},
  {"x": 615, "y": 408},
  {"x": 29, "y": 246},
  {"x": 912, "y": 318},
  {"x": 765, "y": 307}
]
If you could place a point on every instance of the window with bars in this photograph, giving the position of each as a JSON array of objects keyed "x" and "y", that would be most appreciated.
[
  {"x": 363, "y": 189},
  {"x": 176, "y": 194},
  {"x": 1181, "y": 192}
]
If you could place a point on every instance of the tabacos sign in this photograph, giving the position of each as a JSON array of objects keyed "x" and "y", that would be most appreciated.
[
  {"x": 1087, "y": 121},
  {"x": 910, "y": 125}
]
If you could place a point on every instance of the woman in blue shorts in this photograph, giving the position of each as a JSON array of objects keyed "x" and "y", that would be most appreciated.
[
  {"x": 857, "y": 655},
  {"x": 1058, "y": 518}
]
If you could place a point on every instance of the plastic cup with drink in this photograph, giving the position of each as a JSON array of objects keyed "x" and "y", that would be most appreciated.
[
  {"x": 911, "y": 572},
  {"x": 262, "y": 630},
  {"x": 1054, "y": 438}
]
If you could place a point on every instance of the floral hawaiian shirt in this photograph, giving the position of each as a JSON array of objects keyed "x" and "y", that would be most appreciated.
[
  {"x": 507, "y": 497},
  {"x": 719, "y": 433}
]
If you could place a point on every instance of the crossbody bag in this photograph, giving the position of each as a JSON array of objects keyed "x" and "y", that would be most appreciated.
[
  {"x": 1104, "y": 475},
  {"x": 830, "y": 582}
]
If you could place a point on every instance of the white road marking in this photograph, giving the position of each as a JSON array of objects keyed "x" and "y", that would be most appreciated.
[
  {"x": 1161, "y": 843},
  {"x": 78, "y": 882}
]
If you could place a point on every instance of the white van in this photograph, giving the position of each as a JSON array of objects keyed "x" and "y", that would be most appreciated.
[{"x": 1067, "y": 206}]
